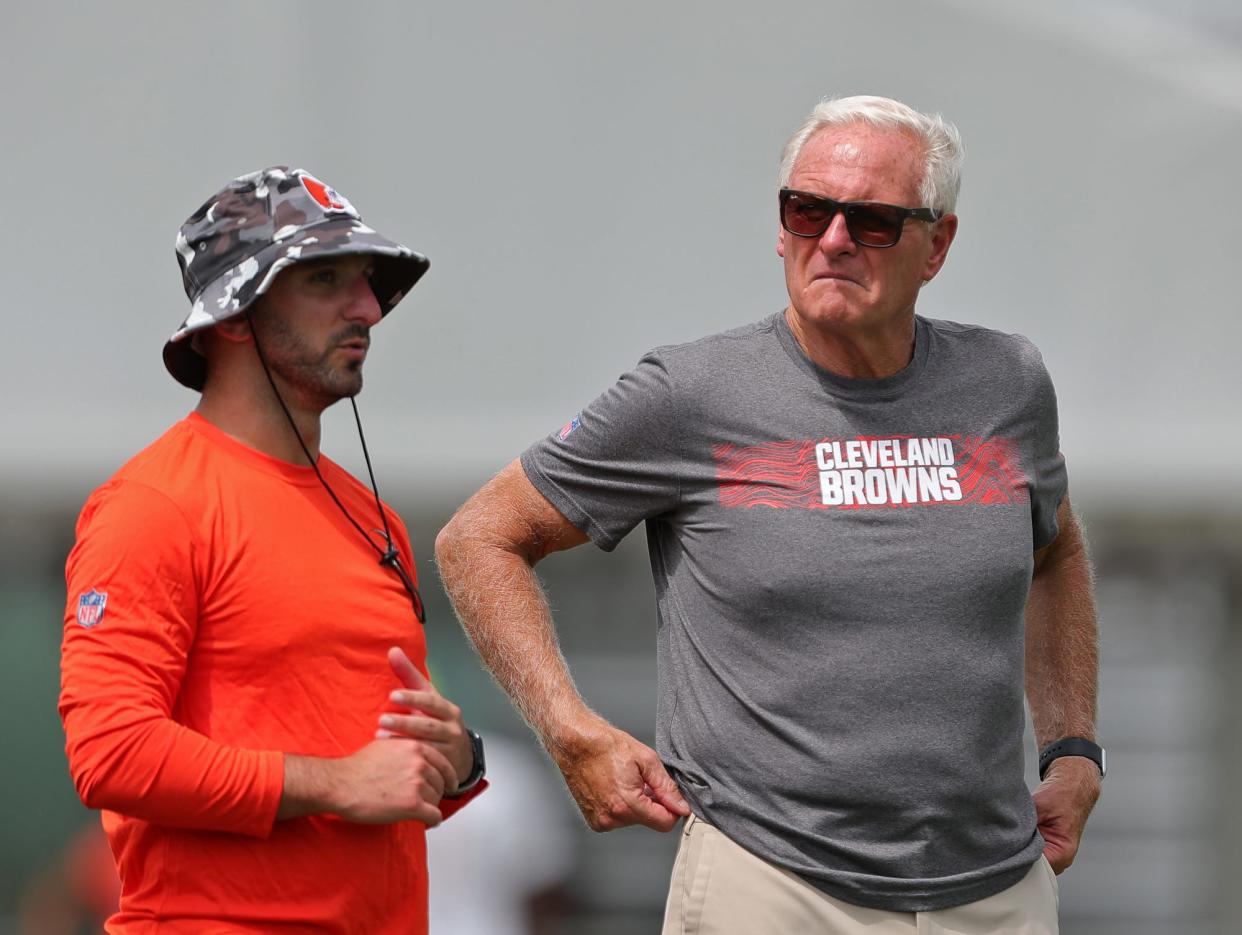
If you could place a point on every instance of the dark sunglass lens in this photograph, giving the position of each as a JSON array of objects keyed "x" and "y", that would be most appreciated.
[
  {"x": 808, "y": 217},
  {"x": 875, "y": 225}
]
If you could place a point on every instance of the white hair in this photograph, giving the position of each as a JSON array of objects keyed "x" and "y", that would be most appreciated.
[{"x": 942, "y": 144}]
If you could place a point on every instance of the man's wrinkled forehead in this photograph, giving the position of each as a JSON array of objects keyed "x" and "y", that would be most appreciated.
[
  {"x": 861, "y": 149},
  {"x": 847, "y": 152}
]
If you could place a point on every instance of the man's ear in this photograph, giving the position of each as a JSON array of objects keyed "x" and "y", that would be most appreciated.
[
  {"x": 235, "y": 329},
  {"x": 943, "y": 233}
]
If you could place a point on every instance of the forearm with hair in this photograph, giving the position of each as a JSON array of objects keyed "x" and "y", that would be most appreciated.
[
  {"x": 309, "y": 787},
  {"x": 1062, "y": 639},
  {"x": 497, "y": 595}
]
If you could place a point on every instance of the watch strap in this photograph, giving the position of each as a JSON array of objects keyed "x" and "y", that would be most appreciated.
[
  {"x": 477, "y": 770},
  {"x": 1071, "y": 746}
]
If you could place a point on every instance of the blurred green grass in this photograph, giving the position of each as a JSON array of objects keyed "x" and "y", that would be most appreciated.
[{"x": 41, "y": 808}]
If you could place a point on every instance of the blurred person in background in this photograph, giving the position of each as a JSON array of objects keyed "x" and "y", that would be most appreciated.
[
  {"x": 502, "y": 865},
  {"x": 76, "y": 893},
  {"x": 851, "y": 510},
  {"x": 241, "y": 610}
]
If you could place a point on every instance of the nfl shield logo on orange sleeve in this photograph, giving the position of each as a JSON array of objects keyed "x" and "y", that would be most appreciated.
[{"x": 91, "y": 607}]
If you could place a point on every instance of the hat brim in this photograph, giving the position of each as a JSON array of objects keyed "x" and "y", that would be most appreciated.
[{"x": 397, "y": 269}]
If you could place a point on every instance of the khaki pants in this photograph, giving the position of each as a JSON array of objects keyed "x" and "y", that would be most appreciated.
[{"x": 720, "y": 888}]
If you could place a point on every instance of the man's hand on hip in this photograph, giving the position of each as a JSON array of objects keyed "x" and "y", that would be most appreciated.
[
  {"x": 1062, "y": 803},
  {"x": 618, "y": 782}
]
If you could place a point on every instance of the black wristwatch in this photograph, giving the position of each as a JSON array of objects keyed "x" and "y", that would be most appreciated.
[
  {"x": 1071, "y": 746},
  {"x": 477, "y": 771}
]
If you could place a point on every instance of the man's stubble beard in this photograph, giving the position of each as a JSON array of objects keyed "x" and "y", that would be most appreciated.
[{"x": 313, "y": 376}]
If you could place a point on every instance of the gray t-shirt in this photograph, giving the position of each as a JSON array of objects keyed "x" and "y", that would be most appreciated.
[{"x": 841, "y": 568}]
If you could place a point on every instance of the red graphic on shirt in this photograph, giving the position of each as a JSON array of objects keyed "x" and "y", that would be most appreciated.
[
  {"x": 991, "y": 470},
  {"x": 871, "y": 472}
]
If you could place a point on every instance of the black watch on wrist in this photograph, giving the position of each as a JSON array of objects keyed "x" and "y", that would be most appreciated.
[
  {"x": 477, "y": 770},
  {"x": 1071, "y": 746}
]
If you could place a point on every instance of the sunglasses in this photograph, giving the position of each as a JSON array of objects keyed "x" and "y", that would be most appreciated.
[{"x": 869, "y": 223}]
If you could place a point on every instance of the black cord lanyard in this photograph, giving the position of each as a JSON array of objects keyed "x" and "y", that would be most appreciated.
[{"x": 389, "y": 556}]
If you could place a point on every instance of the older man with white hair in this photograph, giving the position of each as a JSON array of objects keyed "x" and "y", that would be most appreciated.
[{"x": 863, "y": 552}]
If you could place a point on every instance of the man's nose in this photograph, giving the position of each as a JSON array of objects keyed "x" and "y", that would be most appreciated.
[
  {"x": 836, "y": 237},
  {"x": 363, "y": 305}
]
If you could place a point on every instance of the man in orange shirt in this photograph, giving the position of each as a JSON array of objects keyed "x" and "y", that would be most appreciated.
[{"x": 244, "y": 687}]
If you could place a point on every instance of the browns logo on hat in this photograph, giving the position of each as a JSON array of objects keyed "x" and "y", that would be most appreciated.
[{"x": 232, "y": 247}]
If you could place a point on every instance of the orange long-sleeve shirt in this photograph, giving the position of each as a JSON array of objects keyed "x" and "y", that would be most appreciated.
[{"x": 222, "y": 613}]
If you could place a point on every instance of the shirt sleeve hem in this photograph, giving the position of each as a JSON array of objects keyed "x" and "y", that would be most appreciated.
[
  {"x": 580, "y": 519},
  {"x": 271, "y": 789},
  {"x": 450, "y": 807}
]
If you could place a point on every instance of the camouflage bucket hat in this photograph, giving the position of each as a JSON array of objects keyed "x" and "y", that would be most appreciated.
[{"x": 232, "y": 247}]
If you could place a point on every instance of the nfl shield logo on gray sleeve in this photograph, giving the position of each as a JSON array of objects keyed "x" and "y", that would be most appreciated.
[{"x": 91, "y": 607}]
